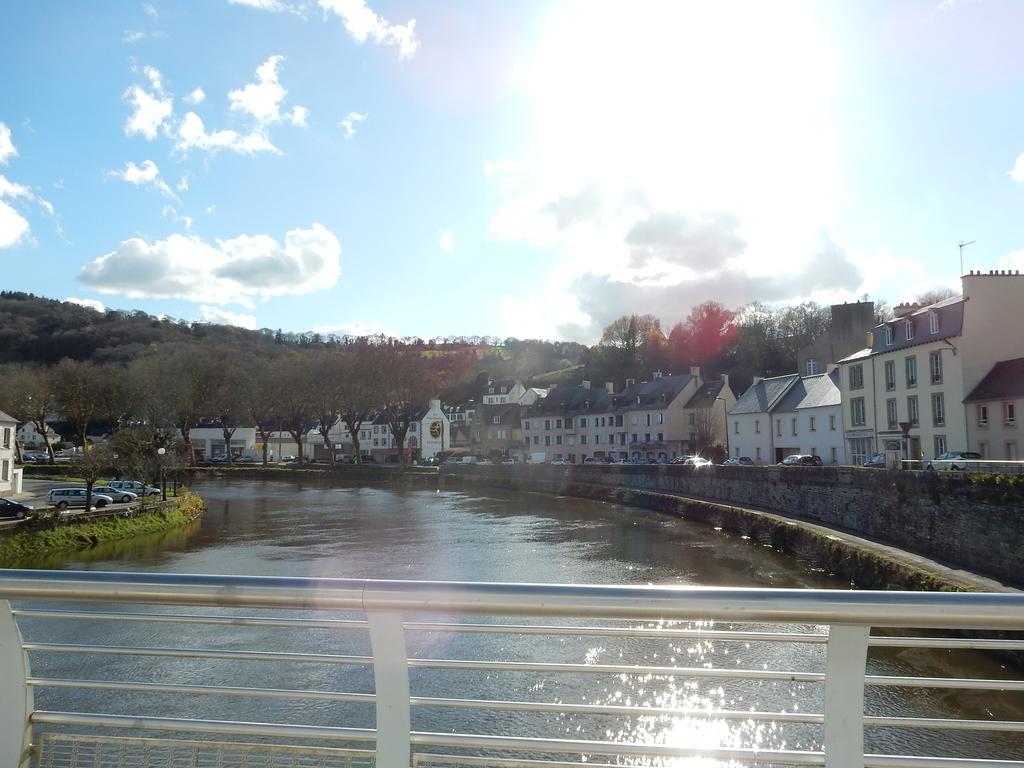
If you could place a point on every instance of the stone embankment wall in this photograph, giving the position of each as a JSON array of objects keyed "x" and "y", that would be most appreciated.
[{"x": 973, "y": 523}]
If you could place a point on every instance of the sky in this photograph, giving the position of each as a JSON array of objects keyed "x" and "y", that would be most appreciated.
[{"x": 529, "y": 169}]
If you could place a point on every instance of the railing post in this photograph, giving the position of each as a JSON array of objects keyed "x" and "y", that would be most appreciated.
[
  {"x": 391, "y": 681},
  {"x": 16, "y": 702},
  {"x": 847, "y": 654}
]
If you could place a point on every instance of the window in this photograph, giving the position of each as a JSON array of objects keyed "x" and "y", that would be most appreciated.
[
  {"x": 632, "y": 420},
  {"x": 940, "y": 445},
  {"x": 583, "y": 421},
  {"x": 5, "y": 470},
  {"x": 835, "y": 455},
  {"x": 583, "y": 439},
  {"x": 857, "y": 412},
  {"x": 661, "y": 418},
  {"x": 813, "y": 422},
  {"x": 888, "y": 335},
  {"x": 735, "y": 427},
  {"x": 7, "y": 437},
  {"x": 891, "y": 413},
  {"x": 982, "y": 415},
  {"x": 526, "y": 425},
  {"x": 938, "y": 410},
  {"x": 933, "y": 322},
  {"x": 935, "y": 365},
  {"x": 597, "y": 439},
  {"x": 568, "y": 423},
  {"x": 661, "y": 437},
  {"x": 536, "y": 439},
  {"x": 647, "y": 437},
  {"x": 547, "y": 423},
  {"x": 792, "y": 426},
  {"x": 547, "y": 439},
  {"x": 558, "y": 423},
  {"x": 496, "y": 420},
  {"x": 857, "y": 376},
  {"x": 912, "y": 414},
  {"x": 691, "y": 419},
  {"x": 890, "y": 375},
  {"x": 501, "y": 434},
  {"x": 635, "y": 438},
  {"x": 647, "y": 419},
  {"x": 757, "y": 453},
  {"x": 832, "y": 422},
  {"x": 558, "y": 439},
  {"x": 910, "y": 365},
  {"x": 757, "y": 426},
  {"x": 1009, "y": 414},
  {"x": 611, "y": 439},
  {"x": 909, "y": 325},
  {"x": 1011, "y": 450},
  {"x": 778, "y": 427},
  {"x": 812, "y": 366},
  {"x": 983, "y": 450}
]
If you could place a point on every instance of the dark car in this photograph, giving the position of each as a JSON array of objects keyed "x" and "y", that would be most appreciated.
[
  {"x": 736, "y": 461},
  {"x": 16, "y": 509},
  {"x": 801, "y": 460},
  {"x": 877, "y": 461}
]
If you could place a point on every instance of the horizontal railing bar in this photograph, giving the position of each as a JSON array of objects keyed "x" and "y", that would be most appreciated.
[
  {"x": 617, "y": 748},
  {"x": 199, "y": 653},
  {"x": 689, "y": 634},
  {"x": 613, "y": 709},
  {"x": 206, "y": 690},
  {"x": 178, "y": 618},
  {"x": 962, "y": 610},
  {"x": 505, "y": 762},
  {"x": 900, "y": 761},
  {"x": 617, "y": 669},
  {"x": 951, "y": 643},
  {"x": 1013, "y": 726},
  {"x": 147, "y": 723},
  {"x": 305, "y": 749},
  {"x": 944, "y": 682}
]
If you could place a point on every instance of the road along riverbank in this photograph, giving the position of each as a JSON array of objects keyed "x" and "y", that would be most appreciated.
[{"x": 52, "y": 532}]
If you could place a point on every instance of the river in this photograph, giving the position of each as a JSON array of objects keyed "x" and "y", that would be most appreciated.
[{"x": 284, "y": 528}]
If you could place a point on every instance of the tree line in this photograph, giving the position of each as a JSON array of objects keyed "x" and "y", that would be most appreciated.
[{"x": 155, "y": 400}]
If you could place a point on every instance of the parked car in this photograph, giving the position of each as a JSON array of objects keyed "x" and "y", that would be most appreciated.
[
  {"x": 62, "y": 498},
  {"x": 737, "y": 461},
  {"x": 693, "y": 461},
  {"x": 139, "y": 489},
  {"x": 9, "y": 508},
  {"x": 954, "y": 460},
  {"x": 244, "y": 460},
  {"x": 595, "y": 460},
  {"x": 558, "y": 462},
  {"x": 510, "y": 461},
  {"x": 488, "y": 462},
  {"x": 801, "y": 460},
  {"x": 119, "y": 495},
  {"x": 877, "y": 461},
  {"x": 430, "y": 461}
]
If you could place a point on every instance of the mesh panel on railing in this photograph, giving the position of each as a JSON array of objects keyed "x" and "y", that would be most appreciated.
[{"x": 80, "y": 751}]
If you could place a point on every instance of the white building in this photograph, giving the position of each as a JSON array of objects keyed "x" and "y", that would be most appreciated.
[
  {"x": 993, "y": 429},
  {"x": 751, "y": 431},
  {"x": 208, "y": 441},
  {"x": 10, "y": 477},
  {"x": 31, "y": 438},
  {"x": 920, "y": 366},
  {"x": 429, "y": 434}
]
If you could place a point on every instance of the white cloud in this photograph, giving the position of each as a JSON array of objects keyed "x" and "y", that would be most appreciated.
[
  {"x": 363, "y": 24},
  {"x": 225, "y": 317},
  {"x": 197, "y": 96},
  {"x": 13, "y": 226},
  {"x": 298, "y": 117},
  {"x": 150, "y": 109},
  {"x": 147, "y": 175},
  {"x": 183, "y": 183},
  {"x": 234, "y": 271},
  {"x": 170, "y": 212},
  {"x": 354, "y": 328},
  {"x": 7, "y": 148},
  {"x": 132, "y": 36},
  {"x": 192, "y": 134},
  {"x": 274, "y": 6},
  {"x": 446, "y": 241},
  {"x": 1017, "y": 174},
  {"x": 90, "y": 303},
  {"x": 348, "y": 123},
  {"x": 149, "y": 10},
  {"x": 263, "y": 98}
]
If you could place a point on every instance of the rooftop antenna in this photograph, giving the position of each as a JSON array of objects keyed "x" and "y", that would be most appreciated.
[{"x": 962, "y": 246}]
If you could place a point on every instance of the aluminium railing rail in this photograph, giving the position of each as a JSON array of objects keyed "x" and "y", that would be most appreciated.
[{"x": 395, "y": 611}]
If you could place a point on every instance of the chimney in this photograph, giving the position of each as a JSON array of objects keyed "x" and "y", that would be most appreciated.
[
  {"x": 758, "y": 379},
  {"x": 901, "y": 310},
  {"x": 725, "y": 381},
  {"x": 656, "y": 375},
  {"x": 695, "y": 371},
  {"x": 585, "y": 384},
  {"x": 871, "y": 339},
  {"x": 435, "y": 405},
  {"x": 609, "y": 387}
]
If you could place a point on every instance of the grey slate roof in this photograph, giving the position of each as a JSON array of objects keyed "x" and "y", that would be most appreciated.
[
  {"x": 764, "y": 395},
  {"x": 6, "y": 418},
  {"x": 1005, "y": 380},
  {"x": 657, "y": 393},
  {"x": 705, "y": 397},
  {"x": 571, "y": 400},
  {"x": 951, "y": 323},
  {"x": 812, "y": 392}
]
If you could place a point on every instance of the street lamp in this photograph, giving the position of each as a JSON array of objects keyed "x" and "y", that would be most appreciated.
[{"x": 163, "y": 483}]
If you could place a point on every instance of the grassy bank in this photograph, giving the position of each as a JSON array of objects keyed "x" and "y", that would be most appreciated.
[{"x": 37, "y": 538}]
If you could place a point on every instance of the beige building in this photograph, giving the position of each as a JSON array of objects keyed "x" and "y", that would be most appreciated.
[
  {"x": 10, "y": 477},
  {"x": 993, "y": 429},
  {"x": 920, "y": 366}
]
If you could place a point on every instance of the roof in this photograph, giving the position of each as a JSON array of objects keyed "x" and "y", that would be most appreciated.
[
  {"x": 7, "y": 418},
  {"x": 858, "y": 355},
  {"x": 763, "y": 395},
  {"x": 646, "y": 394},
  {"x": 951, "y": 322},
  {"x": 812, "y": 392},
  {"x": 706, "y": 395},
  {"x": 1006, "y": 379},
  {"x": 562, "y": 400}
]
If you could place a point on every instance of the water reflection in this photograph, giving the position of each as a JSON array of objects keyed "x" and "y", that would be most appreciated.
[{"x": 313, "y": 529}]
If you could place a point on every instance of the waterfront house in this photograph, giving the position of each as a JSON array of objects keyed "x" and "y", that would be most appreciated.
[
  {"x": 10, "y": 476},
  {"x": 750, "y": 419},
  {"x": 992, "y": 407}
]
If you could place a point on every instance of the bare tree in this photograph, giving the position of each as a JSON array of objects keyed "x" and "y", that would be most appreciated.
[
  {"x": 77, "y": 394},
  {"x": 359, "y": 381},
  {"x": 261, "y": 402},
  {"x": 408, "y": 380},
  {"x": 325, "y": 371},
  {"x": 226, "y": 391},
  {"x": 290, "y": 376},
  {"x": 27, "y": 394},
  {"x": 97, "y": 462}
]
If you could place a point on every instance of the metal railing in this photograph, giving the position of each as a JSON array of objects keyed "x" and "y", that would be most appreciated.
[{"x": 828, "y": 630}]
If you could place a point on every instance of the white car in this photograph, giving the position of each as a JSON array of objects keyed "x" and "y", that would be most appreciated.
[
  {"x": 133, "y": 486},
  {"x": 62, "y": 498},
  {"x": 119, "y": 495}
]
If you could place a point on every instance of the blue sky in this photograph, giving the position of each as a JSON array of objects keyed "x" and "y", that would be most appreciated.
[{"x": 529, "y": 169}]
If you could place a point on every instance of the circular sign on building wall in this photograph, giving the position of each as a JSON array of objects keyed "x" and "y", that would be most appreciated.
[{"x": 436, "y": 429}]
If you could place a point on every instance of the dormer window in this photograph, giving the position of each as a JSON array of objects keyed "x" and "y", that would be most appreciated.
[
  {"x": 910, "y": 329},
  {"x": 496, "y": 420},
  {"x": 933, "y": 322},
  {"x": 888, "y": 335},
  {"x": 490, "y": 390}
]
